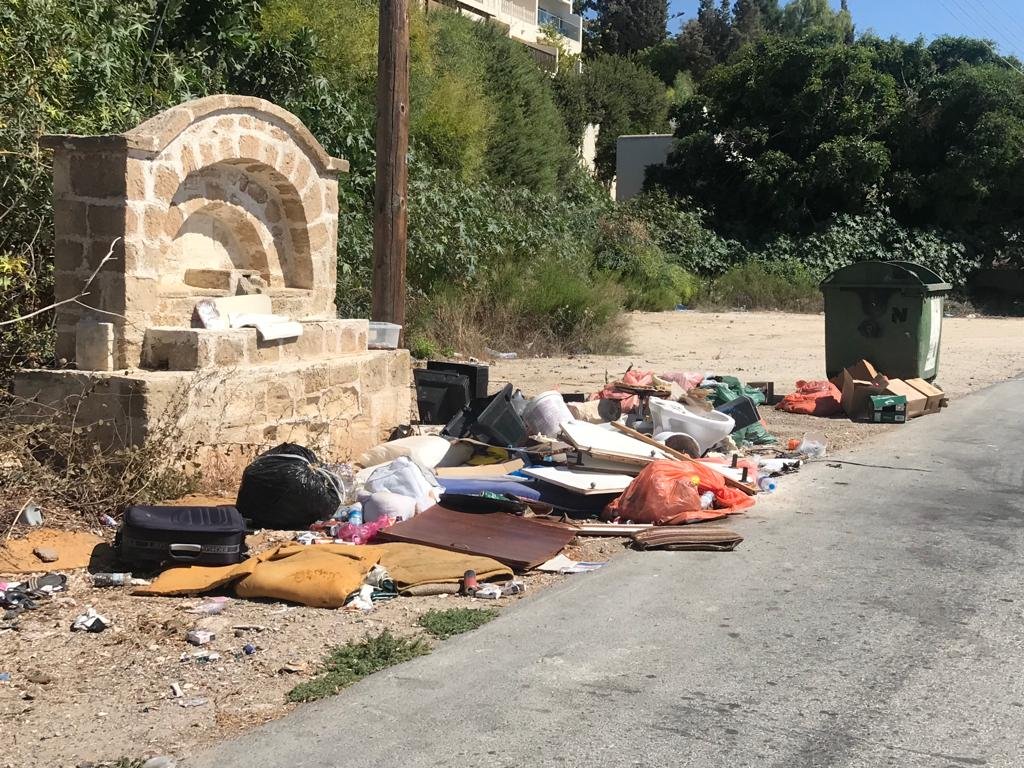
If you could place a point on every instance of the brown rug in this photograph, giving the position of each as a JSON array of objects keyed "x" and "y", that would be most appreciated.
[{"x": 688, "y": 537}]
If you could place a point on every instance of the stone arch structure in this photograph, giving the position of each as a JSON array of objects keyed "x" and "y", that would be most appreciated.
[{"x": 197, "y": 194}]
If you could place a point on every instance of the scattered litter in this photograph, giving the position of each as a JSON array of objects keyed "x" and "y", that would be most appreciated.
[
  {"x": 31, "y": 515},
  {"x": 176, "y": 690},
  {"x": 200, "y": 637},
  {"x": 500, "y": 355},
  {"x": 5, "y": 677},
  {"x": 90, "y": 621},
  {"x": 162, "y": 761},
  {"x": 248, "y": 649},
  {"x": 200, "y": 657},
  {"x": 197, "y": 701},
  {"x": 111, "y": 579},
  {"x": 563, "y": 564},
  {"x": 108, "y": 521},
  {"x": 294, "y": 668},
  {"x": 212, "y": 606}
]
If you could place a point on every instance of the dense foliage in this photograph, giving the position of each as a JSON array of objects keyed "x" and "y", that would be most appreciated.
[{"x": 800, "y": 148}]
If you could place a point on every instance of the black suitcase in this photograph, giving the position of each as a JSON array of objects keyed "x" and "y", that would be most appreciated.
[{"x": 153, "y": 536}]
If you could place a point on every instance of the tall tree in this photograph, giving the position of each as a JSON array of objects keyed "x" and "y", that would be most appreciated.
[
  {"x": 816, "y": 18},
  {"x": 623, "y": 27},
  {"x": 752, "y": 18}
]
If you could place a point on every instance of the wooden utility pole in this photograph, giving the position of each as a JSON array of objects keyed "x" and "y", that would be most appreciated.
[{"x": 390, "y": 216}]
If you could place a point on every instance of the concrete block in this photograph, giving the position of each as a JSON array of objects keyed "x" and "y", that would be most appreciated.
[{"x": 94, "y": 346}]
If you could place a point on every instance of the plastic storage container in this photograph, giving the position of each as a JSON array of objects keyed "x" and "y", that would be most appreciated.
[
  {"x": 491, "y": 420},
  {"x": 440, "y": 395},
  {"x": 383, "y": 335},
  {"x": 887, "y": 312}
]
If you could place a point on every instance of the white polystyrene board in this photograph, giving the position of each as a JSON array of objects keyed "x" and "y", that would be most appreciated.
[
  {"x": 606, "y": 439},
  {"x": 251, "y": 304},
  {"x": 581, "y": 481}
]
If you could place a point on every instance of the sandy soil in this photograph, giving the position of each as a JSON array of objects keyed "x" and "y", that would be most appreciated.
[
  {"x": 78, "y": 698},
  {"x": 769, "y": 346}
]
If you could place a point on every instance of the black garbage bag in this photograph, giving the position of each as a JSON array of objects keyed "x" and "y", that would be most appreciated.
[{"x": 286, "y": 488}]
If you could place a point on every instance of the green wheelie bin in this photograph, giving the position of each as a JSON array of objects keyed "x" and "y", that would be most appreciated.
[{"x": 886, "y": 312}]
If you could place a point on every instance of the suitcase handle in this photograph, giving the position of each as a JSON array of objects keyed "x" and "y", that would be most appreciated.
[{"x": 185, "y": 551}]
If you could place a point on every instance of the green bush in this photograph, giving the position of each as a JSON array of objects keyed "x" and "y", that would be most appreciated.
[{"x": 760, "y": 285}]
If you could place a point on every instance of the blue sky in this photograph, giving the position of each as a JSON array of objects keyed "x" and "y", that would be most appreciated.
[{"x": 999, "y": 20}]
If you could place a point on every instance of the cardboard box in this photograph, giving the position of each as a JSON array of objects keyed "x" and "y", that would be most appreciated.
[
  {"x": 934, "y": 394},
  {"x": 887, "y": 409},
  {"x": 859, "y": 382},
  {"x": 922, "y": 397},
  {"x": 916, "y": 401}
]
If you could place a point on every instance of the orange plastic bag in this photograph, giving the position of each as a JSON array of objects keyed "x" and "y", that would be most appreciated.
[
  {"x": 813, "y": 398},
  {"x": 668, "y": 493}
]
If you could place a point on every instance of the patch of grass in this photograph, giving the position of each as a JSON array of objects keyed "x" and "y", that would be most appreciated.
[
  {"x": 350, "y": 663},
  {"x": 755, "y": 285},
  {"x": 422, "y": 348},
  {"x": 544, "y": 306},
  {"x": 455, "y": 621}
]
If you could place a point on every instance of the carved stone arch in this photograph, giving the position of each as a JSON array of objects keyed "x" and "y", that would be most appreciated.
[{"x": 219, "y": 184}]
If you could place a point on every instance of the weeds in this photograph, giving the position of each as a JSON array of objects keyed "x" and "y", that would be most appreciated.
[
  {"x": 755, "y": 285},
  {"x": 74, "y": 463},
  {"x": 455, "y": 621},
  {"x": 540, "y": 307},
  {"x": 350, "y": 663}
]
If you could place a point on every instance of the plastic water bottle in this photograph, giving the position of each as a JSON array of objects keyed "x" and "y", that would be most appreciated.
[
  {"x": 355, "y": 516},
  {"x": 766, "y": 484}
]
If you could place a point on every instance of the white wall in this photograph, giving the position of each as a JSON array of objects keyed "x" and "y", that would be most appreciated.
[{"x": 633, "y": 155}]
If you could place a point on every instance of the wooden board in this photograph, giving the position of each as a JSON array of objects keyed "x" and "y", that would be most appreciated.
[{"x": 581, "y": 481}]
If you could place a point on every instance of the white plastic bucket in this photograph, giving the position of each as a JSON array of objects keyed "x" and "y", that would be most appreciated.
[
  {"x": 545, "y": 414},
  {"x": 706, "y": 427}
]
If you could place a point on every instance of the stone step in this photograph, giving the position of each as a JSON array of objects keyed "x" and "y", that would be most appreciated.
[{"x": 193, "y": 349}]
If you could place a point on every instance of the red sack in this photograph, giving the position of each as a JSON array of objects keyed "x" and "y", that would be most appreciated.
[
  {"x": 664, "y": 493},
  {"x": 813, "y": 398}
]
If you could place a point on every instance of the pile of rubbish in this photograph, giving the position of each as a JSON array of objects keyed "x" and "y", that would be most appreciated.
[
  {"x": 488, "y": 486},
  {"x": 863, "y": 394}
]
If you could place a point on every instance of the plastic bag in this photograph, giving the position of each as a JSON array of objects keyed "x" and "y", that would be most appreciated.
[
  {"x": 813, "y": 398},
  {"x": 286, "y": 488},
  {"x": 729, "y": 388},
  {"x": 665, "y": 493}
]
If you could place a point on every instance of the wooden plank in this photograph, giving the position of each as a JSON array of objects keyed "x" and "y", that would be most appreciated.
[
  {"x": 747, "y": 489},
  {"x": 390, "y": 214}
]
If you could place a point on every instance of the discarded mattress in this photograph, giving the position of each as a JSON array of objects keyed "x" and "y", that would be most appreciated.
[
  {"x": 690, "y": 537},
  {"x": 518, "y": 542},
  {"x": 324, "y": 575}
]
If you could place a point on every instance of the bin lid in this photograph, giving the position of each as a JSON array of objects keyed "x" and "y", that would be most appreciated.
[{"x": 902, "y": 275}]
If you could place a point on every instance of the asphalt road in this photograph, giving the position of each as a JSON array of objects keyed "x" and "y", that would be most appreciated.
[{"x": 871, "y": 618}]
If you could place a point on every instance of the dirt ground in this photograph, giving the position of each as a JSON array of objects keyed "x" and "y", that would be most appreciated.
[
  {"x": 76, "y": 698},
  {"x": 769, "y": 346},
  {"x": 80, "y": 698}
]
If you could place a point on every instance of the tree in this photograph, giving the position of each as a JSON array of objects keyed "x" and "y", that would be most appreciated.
[
  {"x": 625, "y": 27},
  {"x": 743, "y": 153},
  {"x": 817, "y": 19},
  {"x": 624, "y": 98},
  {"x": 753, "y": 18},
  {"x": 708, "y": 39}
]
